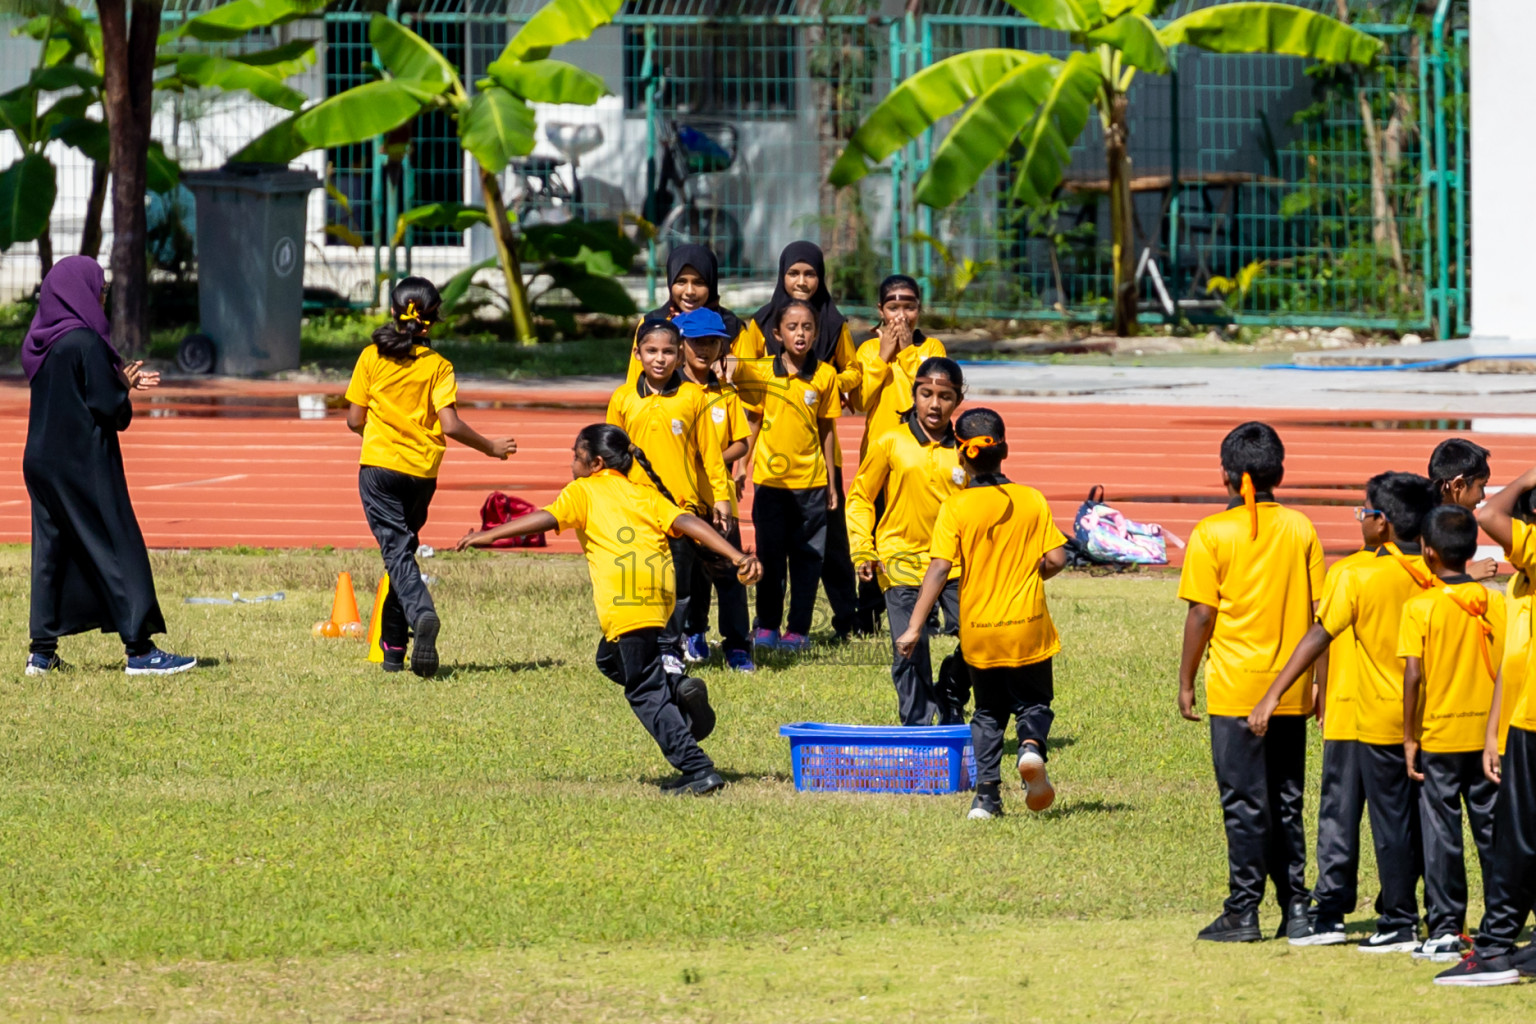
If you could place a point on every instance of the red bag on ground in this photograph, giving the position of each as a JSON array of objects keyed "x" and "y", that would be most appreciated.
[{"x": 503, "y": 508}]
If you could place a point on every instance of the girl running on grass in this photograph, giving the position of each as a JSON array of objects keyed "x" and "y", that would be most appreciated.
[
  {"x": 403, "y": 398},
  {"x": 792, "y": 401},
  {"x": 912, "y": 468},
  {"x": 668, "y": 416},
  {"x": 623, "y": 529}
]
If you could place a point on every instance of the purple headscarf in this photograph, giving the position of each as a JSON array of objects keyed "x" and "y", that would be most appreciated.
[{"x": 69, "y": 300}]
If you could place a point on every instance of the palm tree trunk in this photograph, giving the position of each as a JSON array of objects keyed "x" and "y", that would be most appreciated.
[
  {"x": 90, "y": 235},
  {"x": 128, "y": 50},
  {"x": 507, "y": 255},
  {"x": 1117, "y": 155}
]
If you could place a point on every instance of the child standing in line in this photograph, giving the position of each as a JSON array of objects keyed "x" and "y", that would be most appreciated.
[
  {"x": 1460, "y": 473},
  {"x": 624, "y": 528},
  {"x": 1509, "y": 889},
  {"x": 803, "y": 278},
  {"x": 403, "y": 402},
  {"x": 704, "y": 340},
  {"x": 667, "y": 415},
  {"x": 1002, "y": 537},
  {"x": 693, "y": 283},
  {"x": 1363, "y": 762},
  {"x": 793, "y": 399},
  {"x": 1453, "y": 640},
  {"x": 1251, "y": 576},
  {"x": 889, "y": 358},
  {"x": 913, "y": 468}
]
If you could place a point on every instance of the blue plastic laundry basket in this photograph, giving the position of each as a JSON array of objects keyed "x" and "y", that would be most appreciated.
[{"x": 881, "y": 758}]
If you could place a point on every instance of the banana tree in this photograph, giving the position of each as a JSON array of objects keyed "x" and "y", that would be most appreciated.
[
  {"x": 1033, "y": 107},
  {"x": 495, "y": 124},
  {"x": 70, "y": 68}
]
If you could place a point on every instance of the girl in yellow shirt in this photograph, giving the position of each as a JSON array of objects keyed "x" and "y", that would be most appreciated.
[
  {"x": 403, "y": 402},
  {"x": 624, "y": 528},
  {"x": 693, "y": 283}
]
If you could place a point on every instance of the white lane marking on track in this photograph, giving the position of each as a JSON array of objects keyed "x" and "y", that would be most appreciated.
[{"x": 197, "y": 483}]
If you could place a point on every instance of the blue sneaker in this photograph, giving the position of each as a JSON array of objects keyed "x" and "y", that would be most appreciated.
[
  {"x": 695, "y": 649},
  {"x": 795, "y": 643},
  {"x": 768, "y": 638},
  {"x": 740, "y": 661},
  {"x": 159, "y": 663},
  {"x": 42, "y": 664}
]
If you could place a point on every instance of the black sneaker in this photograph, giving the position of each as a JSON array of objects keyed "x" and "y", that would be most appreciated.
[
  {"x": 424, "y": 645},
  {"x": 1479, "y": 971},
  {"x": 1403, "y": 940},
  {"x": 1297, "y": 923},
  {"x": 693, "y": 700},
  {"x": 394, "y": 659},
  {"x": 988, "y": 803},
  {"x": 1442, "y": 949},
  {"x": 1239, "y": 927},
  {"x": 1524, "y": 961},
  {"x": 1323, "y": 931},
  {"x": 700, "y": 783}
]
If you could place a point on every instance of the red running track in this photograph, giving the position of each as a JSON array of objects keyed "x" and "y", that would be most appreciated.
[{"x": 232, "y": 463}]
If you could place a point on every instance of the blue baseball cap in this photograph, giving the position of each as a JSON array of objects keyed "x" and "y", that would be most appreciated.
[{"x": 701, "y": 323}]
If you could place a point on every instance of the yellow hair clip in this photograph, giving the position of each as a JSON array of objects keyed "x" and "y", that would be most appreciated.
[
  {"x": 974, "y": 446},
  {"x": 411, "y": 314}
]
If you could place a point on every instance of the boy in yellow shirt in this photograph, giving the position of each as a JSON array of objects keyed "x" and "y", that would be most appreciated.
[
  {"x": 1509, "y": 889},
  {"x": 1453, "y": 640},
  {"x": 1252, "y": 575},
  {"x": 403, "y": 400},
  {"x": 1363, "y": 764},
  {"x": 1002, "y": 537},
  {"x": 1459, "y": 469}
]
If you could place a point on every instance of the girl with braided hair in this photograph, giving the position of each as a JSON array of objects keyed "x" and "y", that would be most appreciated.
[
  {"x": 403, "y": 403},
  {"x": 624, "y": 528}
]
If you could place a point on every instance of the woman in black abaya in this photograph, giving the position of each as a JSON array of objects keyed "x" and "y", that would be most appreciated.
[{"x": 90, "y": 569}]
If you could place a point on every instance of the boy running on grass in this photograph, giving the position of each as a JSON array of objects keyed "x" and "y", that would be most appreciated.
[
  {"x": 1453, "y": 639},
  {"x": 1362, "y": 736},
  {"x": 1509, "y": 889},
  {"x": 1002, "y": 537},
  {"x": 1251, "y": 577}
]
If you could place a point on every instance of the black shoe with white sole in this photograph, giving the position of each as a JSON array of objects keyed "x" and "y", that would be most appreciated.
[
  {"x": 1242, "y": 926},
  {"x": 1321, "y": 932},
  {"x": 1403, "y": 940},
  {"x": 1442, "y": 949},
  {"x": 1479, "y": 972},
  {"x": 1524, "y": 961},
  {"x": 424, "y": 645},
  {"x": 988, "y": 803}
]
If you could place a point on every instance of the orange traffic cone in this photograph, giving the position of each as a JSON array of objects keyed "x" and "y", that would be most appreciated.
[
  {"x": 344, "y": 605},
  {"x": 376, "y": 622}
]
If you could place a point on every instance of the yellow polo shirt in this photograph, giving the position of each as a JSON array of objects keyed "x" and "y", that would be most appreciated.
[
  {"x": 674, "y": 428},
  {"x": 789, "y": 452},
  {"x": 728, "y": 423},
  {"x": 1522, "y": 555},
  {"x": 1458, "y": 688},
  {"x": 1343, "y": 678},
  {"x": 402, "y": 397},
  {"x": 997, "y": 532},
  {"x": 1367, "y": 604},
  {"x": 1262, "y": 590},
  {"x": 885, "y": 388},
  {"x": 623, "y": 529},
  {"x": 751, "y": 344},
  {"x": 916, "y": 474}
]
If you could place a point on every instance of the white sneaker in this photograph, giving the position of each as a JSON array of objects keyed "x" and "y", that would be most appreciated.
[
  {"x": 1441, "y": 949},
  {"x": 673, "y": 665},
  {"x": 1038, "y": 791}
]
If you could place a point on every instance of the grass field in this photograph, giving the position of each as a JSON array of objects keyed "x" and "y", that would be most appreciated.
[{"x": 287, "y": 834}]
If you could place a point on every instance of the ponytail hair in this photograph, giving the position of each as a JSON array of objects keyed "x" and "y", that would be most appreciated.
[
  {"x": 609, "y": 443},
  {"x": 414, "y": 306}
]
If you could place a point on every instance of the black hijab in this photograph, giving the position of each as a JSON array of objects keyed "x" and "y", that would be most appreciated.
[
  {"x": 703, "y": 261},
  {"x": 829, "y": 322}
]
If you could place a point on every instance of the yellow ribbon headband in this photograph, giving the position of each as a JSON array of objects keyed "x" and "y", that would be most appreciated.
[{"x": 974, "y": 446}]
